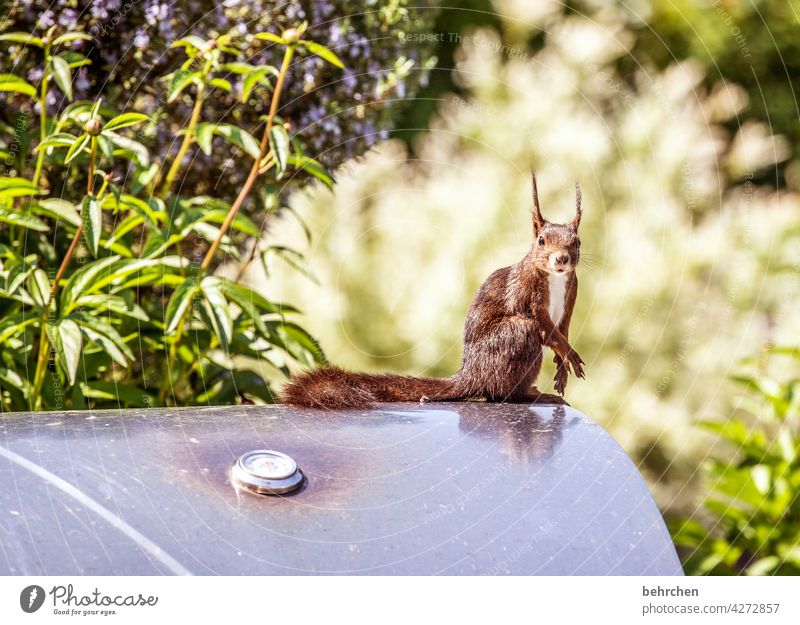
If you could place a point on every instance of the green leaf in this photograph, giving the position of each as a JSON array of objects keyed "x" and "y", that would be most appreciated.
[
  {"x": 87, "y": 275},
  {"x": 142, "y": 177},
  {"x": 107, "y": 303},
  {"x": 63, "y": 75},
  {"x": 71, "y": 36},
  {"x": 152, "y": 211},
  {"x": 7, "y": 182},
  {"x": 92, "y": 216},
  {"x": 293, "y": 258},
  {"x": 270, "y": 37},
  {"x": 65, "y": 335},
  {"x": 180, "y": 80},
  {"x": 23, "y": 38},
  {"x": 57, "y": 140},
  {"x": 105, "y": 336},
  {"x": 313, "y": 167},
  {"x": 190, "y": 41},
  {"x": 130, "y": 147},
  {"x": 124, "y": 394},
  {"x": 256, "y": 77},
  {"x": 14, "y": 218},
  {"x": 15, "y": 84},
  {"x": 204, "y": 134},
  {"x": 322, "y": 52},
  {"x": 297, "y": 342},
  {"x": 279, "y": 142},
  {"x": 113, "y": 273},
  {"x": 237, "y": 67},
  {"x": 220, "y": 83},
  {"x": 12, "y": 378},
  {"x": 211, "y": 233},
  {"x": 76, "y": 148},
  {"x": 125, "y": 120},
  {"x": 216, "y": 308},
  {"x": 39, "y": 287},
  {"x": 238, "y": 137},
  {"x": 58, "y": 209},
  {"x": 15, "y": 324},
  {"x": 179, "y": 302}
]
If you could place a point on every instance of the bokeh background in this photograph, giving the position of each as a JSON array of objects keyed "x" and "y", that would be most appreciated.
[{"x": 681, "y": 123}]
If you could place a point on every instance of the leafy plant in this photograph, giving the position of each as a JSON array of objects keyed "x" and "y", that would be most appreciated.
[
  {"x": 108, "y": 296},
  {"x": 753, "y": 510},
  {"x": 342, "y": 112}
]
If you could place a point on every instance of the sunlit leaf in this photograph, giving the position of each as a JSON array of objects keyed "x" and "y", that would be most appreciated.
[
  {"x": 279, "y": 142},
  {"x": 92, "y": 216},
  {"x": 190, "y": 41},
  {"x": 220, "y": 83},
  {"x": 76, "y": 148},
  {"x": 24, "y": 220},
  {"x": 25, "y": 38},
  {"x": 71, "y": 36},
  {"x": 323, "y": 52},
  {"x": 39, "y": 287},
  {"x": 313, "y": 167},
  {"x": 217, "y": 309},
  {"x": 15, "y": 84},
  {"x": 270, "y": 37},
  {"x": 59, "y": 209},
  {"x": 65, "y": 336},
  {"x": 63, "y": 75},
  {"x": 180, "y": 80},
  {"x": 125, "y": 120},
  {"x": 179, "y": 302}
]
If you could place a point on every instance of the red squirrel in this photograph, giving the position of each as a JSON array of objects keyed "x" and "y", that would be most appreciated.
[{"x": 516, "y": 312}]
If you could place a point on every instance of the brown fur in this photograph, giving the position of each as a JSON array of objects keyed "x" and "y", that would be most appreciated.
[{"x": 507, "y": 326}]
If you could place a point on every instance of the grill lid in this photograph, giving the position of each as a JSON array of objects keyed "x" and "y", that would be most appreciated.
[{"x": 266, "y": 472}]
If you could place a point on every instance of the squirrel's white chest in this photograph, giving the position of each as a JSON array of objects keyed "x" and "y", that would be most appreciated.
[{"x": 557, "y": 284}]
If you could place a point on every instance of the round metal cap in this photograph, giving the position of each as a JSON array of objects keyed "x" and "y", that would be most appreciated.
[{"x": 266, "y": 472}]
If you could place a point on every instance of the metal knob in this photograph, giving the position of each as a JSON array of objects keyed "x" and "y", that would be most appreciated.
[{"x": 266, "y": 472}]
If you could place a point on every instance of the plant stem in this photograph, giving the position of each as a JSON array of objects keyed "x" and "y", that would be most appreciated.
[
  {"x": 42, "y": 131},
  {"x": 44, "y": 344},
  {"x": 189, "y": 136},
  {"x": 254, "y": 170},
  {"x": 37, "y": 173},
  {"x": 237, "y": 204}
]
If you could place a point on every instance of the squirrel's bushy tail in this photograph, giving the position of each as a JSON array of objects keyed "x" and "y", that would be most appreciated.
[{"x": 334, "y": 388}]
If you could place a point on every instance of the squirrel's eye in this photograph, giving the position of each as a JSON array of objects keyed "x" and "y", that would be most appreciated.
[
  {"x": 578, "y": 242},
  {"x": 541, "y": 240}
]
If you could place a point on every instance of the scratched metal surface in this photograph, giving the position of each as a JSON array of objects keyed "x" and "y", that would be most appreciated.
[{"x": 405, "y": 489}]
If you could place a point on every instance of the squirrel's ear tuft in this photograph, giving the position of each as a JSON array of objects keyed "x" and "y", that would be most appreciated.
[
  {"x": 577, "y": 220},
  {"x": 536, "y": 211}
]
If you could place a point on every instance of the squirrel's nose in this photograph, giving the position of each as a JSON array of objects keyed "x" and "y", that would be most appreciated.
[{"x": 562, "y": 259}]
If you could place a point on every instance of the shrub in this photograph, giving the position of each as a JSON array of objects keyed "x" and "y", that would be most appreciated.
[
  {"x": 340, "y": 112},
  {"x": 107, "y": 290},
  {"x": 752, "y": 515}
]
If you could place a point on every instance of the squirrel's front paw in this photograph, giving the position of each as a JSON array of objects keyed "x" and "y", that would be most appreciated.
[
  {"x": 561, "y": 378},
  {"x": 575, "y": 362}
]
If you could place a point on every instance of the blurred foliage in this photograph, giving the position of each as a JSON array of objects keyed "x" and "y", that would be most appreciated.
[
  {"x": 753, "y": 44},
  {"x": 108, "y": 296},
  {"x": 690, "y": 256},
  {"x": 752, "y": 511}
]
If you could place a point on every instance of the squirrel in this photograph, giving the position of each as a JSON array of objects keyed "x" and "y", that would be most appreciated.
[{"x": 517, "y": 311}]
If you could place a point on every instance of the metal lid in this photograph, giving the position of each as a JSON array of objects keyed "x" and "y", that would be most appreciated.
[{"x": 266, "y": 472}]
